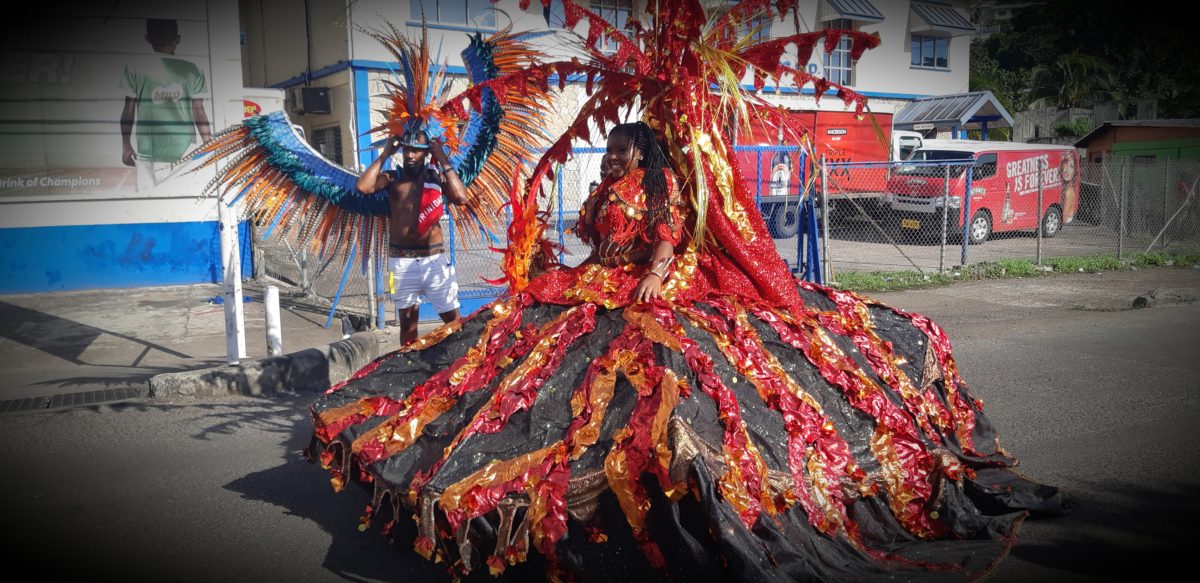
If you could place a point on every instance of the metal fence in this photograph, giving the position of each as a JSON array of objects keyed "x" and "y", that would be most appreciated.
[{"x": 1124, "y": 205}]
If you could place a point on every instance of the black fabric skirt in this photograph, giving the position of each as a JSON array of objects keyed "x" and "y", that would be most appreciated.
[{"x": 712, "y": 441}]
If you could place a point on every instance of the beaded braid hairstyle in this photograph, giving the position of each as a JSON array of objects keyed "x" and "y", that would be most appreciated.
[{"x": 653, "y": 161}]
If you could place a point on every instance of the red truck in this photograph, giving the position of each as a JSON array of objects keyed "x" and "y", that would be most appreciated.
[{"x": 839, "y": 136}]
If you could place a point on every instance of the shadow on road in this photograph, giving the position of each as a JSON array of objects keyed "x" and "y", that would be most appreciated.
[
  {"x": 303, "y": 489},
  {"x": 66, "y": 339},
  {"x": 1118, "y": 530}
]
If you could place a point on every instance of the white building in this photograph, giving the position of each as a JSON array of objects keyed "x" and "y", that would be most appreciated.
[
  {"x": 73, "y": 217},
  {"x": 924, "y": 51}
]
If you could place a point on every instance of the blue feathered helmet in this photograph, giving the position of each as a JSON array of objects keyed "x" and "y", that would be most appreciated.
[
  {"x": 416, "y": 92},
  {"x": 412, "y": 132}
]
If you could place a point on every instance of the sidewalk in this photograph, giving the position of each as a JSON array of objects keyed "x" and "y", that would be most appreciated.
[
  {"x": 168, "y": 343},
  {"x": 96, "y": 346}
]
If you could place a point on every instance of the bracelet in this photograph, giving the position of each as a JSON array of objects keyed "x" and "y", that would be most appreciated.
[
  {"x": 655, "y": 273},
  {"x": 662, "y": 267}
]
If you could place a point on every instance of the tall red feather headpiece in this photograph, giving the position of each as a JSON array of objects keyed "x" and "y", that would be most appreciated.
[{"x": 685, "y": 69}]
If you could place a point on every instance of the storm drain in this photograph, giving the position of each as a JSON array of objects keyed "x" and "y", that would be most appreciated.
[{"x": 82, "y": 399}]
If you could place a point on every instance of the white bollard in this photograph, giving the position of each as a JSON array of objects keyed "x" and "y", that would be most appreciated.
[
  {"x": 274, "y": 329},
  {"x": 231, "y": 267}
]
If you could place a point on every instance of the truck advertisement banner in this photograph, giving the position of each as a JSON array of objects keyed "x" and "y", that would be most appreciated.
[{"x": 840, "y": 137}]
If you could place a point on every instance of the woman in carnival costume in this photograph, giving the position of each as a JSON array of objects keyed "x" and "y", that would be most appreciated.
[{"x": 679, "y": 392}]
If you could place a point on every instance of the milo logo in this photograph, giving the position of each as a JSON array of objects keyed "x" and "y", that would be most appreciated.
[{"x": 167, "y": 93}]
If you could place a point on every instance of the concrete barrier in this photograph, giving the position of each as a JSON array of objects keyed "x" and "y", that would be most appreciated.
[{"x": 307, "y": 371}]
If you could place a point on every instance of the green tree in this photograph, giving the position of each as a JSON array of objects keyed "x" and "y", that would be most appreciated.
[
  {"x": 1008, "y": 85},
  {"x": 1074, "y": 79},
  {"x": 1150, "y": 53}
]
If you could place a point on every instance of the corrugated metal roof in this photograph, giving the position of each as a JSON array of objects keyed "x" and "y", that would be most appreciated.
[
  {"x": 966, "y": 111},
  {"x": 942, "y": 17},
  {"x": 979, "y": 146},
  {"x": 1158, "y": 123},
  {"x": 861, "y": 10},
  {"x": 1145, "y": 123}
]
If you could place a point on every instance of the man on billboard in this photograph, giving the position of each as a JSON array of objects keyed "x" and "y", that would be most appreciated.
[{"x": 164, "y": 99}]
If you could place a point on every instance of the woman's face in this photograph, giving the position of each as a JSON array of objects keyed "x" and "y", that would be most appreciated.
[
  {"x": 620, "y": 157},
  {"x": 1068, "y": 168}
]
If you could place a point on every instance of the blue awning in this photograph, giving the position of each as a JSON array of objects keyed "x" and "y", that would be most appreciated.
[
  {"x": 936, "y": 17},
  {"x": 860, "y": 10}
]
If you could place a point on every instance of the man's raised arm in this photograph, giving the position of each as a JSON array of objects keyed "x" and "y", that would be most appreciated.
[
  {"x": 373, "y": 179},
  {"x": 452, "y": 186}
]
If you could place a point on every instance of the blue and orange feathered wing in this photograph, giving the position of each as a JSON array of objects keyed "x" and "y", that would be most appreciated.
[{"x": 285, "y": 185}]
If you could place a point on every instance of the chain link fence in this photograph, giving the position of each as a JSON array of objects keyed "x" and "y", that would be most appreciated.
[
  {"x": 304, "y": 277},
  {"x": 1120, "y": 205},
  {"x": 1150, "y": 204},
  {"x": 882, "y": 217}
]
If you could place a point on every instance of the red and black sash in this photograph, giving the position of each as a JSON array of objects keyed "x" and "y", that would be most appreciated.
[{"x": 432, "y": 208}]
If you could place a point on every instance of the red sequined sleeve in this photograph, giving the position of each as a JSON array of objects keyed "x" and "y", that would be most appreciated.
[
  {"x": 669, "y": 226},
  {"x": 585, "y": 227}
]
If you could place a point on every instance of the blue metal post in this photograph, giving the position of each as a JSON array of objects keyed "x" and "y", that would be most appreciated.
[
  {"x": 801, "y": 172},
  {"x": 758, "y": 180},
  {"x": 562, "y": 241},
  {"x": 813, "y": 271},
  {"x": 342, "y": 286},
  {"x": 381, "y": 294}
]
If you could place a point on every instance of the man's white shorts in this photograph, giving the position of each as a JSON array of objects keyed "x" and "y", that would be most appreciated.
[{"x": 432, "y": 277}]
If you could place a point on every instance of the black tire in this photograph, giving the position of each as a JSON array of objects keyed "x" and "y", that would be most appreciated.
[
  {"x": 785, "y": 221},
  {"x": 981, "y": 227},
  {"x": 1051, "y": 222},
  {"x": 839, "y": 211}
]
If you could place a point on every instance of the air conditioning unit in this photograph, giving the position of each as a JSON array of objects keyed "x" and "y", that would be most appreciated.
[{"x": 312, "y": 100}]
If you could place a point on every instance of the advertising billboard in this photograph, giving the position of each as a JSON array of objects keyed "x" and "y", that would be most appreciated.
[{"x": 100, "y": 101}]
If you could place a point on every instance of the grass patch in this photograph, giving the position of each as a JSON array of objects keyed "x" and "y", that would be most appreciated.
[
  {"x": 882, "y": 281},
  {"x": 890, "y": 280},
  {"x": 1166, "y": 259}
]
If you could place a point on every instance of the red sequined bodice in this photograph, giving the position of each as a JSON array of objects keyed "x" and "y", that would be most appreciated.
[{"x": 616, "y": 222}]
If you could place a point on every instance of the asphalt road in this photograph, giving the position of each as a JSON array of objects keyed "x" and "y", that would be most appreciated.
[{"x": 1104, "y": 402}]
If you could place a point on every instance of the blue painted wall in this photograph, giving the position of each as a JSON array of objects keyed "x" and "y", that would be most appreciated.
[{"x": 45, "y": 259}]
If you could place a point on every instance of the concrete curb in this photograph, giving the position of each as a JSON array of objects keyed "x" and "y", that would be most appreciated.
[{"x": 308, "y": 371}]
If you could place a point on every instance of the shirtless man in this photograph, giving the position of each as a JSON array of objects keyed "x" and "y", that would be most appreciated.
[{"x": 417, "y": 264}]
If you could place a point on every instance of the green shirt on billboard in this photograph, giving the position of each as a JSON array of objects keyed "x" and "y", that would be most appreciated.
[{"x": 164, "y": 90}]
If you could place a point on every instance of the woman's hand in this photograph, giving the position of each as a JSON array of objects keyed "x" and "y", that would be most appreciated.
[{"x": 649, "y": 288}]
